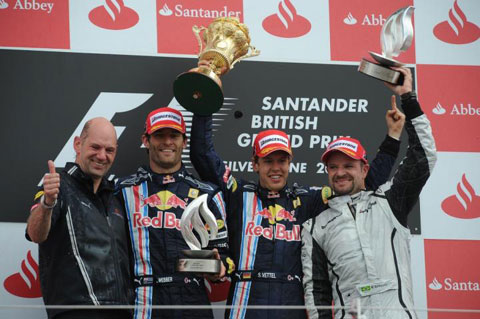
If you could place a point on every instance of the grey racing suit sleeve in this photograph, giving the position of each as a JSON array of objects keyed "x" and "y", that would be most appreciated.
[{"x": 403, "y": 190}]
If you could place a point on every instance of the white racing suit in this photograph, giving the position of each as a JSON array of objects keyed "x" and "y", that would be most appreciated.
[{"x": 358, "y": 249}]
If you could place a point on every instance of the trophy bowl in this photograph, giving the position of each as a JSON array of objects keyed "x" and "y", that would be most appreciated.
[
  {"x": 222, "y": 44},
  {"x": 396, "y": 36}
]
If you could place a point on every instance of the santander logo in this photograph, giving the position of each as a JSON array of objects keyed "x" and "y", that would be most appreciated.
[
  {"x": 456, "y": 30},
  {"x": 435, "y": 285},
  {"x": 450, "y": 284},
  {"x": 165, "y": 11},
  {"x": 350, "y": 19},
  {"x": 113, "y": 15},
  {"x": 286, "y": 23},
  {"x": 439, "y": 109},
  {"x": 26, "y": 283},
  {"x": 465, "y": 204}
]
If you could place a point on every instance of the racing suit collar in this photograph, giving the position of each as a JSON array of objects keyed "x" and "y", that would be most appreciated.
[
  {"x": 167, "y": 178},
  {"x": 265, "y": 193},
  {"x": 337, "y": 200}
]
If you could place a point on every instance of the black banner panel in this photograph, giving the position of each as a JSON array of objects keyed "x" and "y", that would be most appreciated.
[{"x": 47, "y": 96}]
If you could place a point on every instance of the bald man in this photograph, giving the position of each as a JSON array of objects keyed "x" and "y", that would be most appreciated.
[{"x": 81, "y": 231}]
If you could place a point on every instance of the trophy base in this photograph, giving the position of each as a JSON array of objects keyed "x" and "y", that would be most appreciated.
[
  {"x": 380, "y": 72},
  {"x": 383, "y": 60},
  {"x": 199, "y": 91},
  {"x": 200, "y": 261}
]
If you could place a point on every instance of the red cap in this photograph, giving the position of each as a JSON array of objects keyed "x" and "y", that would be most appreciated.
[
  {"x": 164, "y": 117},
  {"x": 348, "y": 146},
  {"x": 270, "y": 141}
]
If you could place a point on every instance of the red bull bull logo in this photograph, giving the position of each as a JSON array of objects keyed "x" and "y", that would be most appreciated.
[
  {"x": 164, "y": 200},
  {"x": 266, "y": 213},
  {"x": 285, "y": 214},
  {"x": 276, "y": 213}
]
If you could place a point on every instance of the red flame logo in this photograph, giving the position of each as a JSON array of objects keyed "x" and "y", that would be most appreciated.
[
  {"x": 464, "y": 204},
  {"x": 113, "y": 15},
  {"x": 26, "y": 283},
  {"x": 286, "y": 23},
  {"x": 218, "y": 291},
  {"x": 456, "y": 30}
]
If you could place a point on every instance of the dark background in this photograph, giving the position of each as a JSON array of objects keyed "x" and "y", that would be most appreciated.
[{"x": 44, "y": 96}]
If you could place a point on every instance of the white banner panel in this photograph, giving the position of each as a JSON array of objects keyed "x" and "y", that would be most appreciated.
[
  {"x": 450, "y": 201},
  {"x": 289, "y": 30},
  {"x": 19, "y": 274},
  {"x": 447, "y": 32}
]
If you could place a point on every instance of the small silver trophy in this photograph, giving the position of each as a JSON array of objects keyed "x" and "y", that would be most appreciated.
[
  {"x": 198, "y": 260},
  {"x": 396, "y": 36}
]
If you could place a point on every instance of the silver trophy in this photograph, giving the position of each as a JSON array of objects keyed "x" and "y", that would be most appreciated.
[
  {"x": 198, "y": 260},
  {"x": 396, "y": 37}
]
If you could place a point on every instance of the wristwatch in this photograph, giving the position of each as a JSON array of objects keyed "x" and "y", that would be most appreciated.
[
  {"x": 409, "y": 95},
  {"x": 44, "y": 205}
]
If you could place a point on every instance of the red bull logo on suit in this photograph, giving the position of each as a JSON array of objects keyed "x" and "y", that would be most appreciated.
[
  {"x": 276, "y": 230},
  {"x": 162, "y": 220},
  {"x": 164, "y": 200}
]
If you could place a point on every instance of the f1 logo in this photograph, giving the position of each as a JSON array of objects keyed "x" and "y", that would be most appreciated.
[{"x": 106, "y": 105}]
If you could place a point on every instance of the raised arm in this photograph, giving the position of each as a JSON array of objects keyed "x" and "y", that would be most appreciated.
[
  {"x": 381, "y": 166},
  {"x": 206, "y": 161},
  {"x": 39, "y": 222},
  {"x": 403, "y": 191}
]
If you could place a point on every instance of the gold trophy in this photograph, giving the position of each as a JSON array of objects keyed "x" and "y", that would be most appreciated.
[{"x": 226, "y": 42}]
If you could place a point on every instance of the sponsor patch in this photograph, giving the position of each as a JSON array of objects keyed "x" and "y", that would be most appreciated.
[
  {"x": 193, "y": 193},
  {"x": 165, "y": 116},
  {"x": 38, "y": 195}
]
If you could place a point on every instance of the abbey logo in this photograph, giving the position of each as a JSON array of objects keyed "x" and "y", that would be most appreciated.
[
  {"x": 286, "y": 23},
  {"x": 368, "y": 20},
  {"x": 458, "y": 109},
  {"x": 456, "y": 29},
  {"x": 32, "y": 5}
]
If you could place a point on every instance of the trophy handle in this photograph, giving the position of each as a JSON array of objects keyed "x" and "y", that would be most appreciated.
[
  {"x": 253, "y": 52},
  {"x": 196, "y": 30}
]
